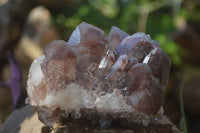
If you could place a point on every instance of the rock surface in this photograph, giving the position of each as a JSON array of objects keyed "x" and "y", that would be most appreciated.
[
  {"x": 25, "y": 120},
  {"x": 91, "y": 77}
]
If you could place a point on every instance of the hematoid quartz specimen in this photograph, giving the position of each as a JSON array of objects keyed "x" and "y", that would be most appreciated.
[{"x": 98, "y": 78}]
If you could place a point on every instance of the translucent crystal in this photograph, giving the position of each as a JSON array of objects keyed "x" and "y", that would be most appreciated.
[
  {"x": 59, "y": 65},
  {"x": 106, "y": 64},
  {"x": 85, "y": 78},
  {"x": 143, "y": 35},
  {"x": 160, "y": 64},
  {"x": 36, "y": 84},
  {"x": 112, "y": 102},
  {"x": 108, "y": 60},
  {"x": 144, "y": 94},
  {"x": 36, "y": 73},
  {"x": 127, "y": 44},
  {"x": 89, "y": 43},
  {"x": 119, "y": 65},
  {"x": 138, "y": 45},
  {"x": 115, "y": 37},
  {"x": 138, "y": 77}
]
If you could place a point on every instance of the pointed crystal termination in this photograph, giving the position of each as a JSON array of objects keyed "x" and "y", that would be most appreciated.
[
  {"x": 115, "y": 37},
  {"x": 119, "y": 65},
  {"x": 160, "y": 64},
  {"x": 138, "y": 45},
  {"x": 89, "y": 43},
  {"x": 36, "y": 84},
  {"x": 89, "y": 77},
  {"x": 108, "y": 60},
  {"x": 59, "y": 65},
  {"x": 106, "y": 64}
]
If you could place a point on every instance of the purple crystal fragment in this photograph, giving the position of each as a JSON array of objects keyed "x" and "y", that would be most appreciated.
[
  {"x": 106, "y": 64},
  {"x": 138, "y": 77},
  {"x": 115, "y": 37},
  {"x": 119, "y": 65},
  {"x": 160, "y": 64},
  {"x": 137, "y": 45},
  {"x": 127, "y": 44},
  {"x": 90, "y": 44},
  {"x": 143, "y": 92},
  {"x": 89, "y": 76},
  {"x": 131, "y": 62}
]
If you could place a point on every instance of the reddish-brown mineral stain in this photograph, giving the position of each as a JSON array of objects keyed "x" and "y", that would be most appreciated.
[{"x": 121, "y": 74}]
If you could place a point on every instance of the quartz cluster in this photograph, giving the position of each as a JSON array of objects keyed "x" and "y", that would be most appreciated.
[{"x": 95, "y": 75}]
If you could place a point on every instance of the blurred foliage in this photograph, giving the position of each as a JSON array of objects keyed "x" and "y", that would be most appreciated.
[
  {"x": 183, "y": 123},
  {"x": 155, "y": 17}
]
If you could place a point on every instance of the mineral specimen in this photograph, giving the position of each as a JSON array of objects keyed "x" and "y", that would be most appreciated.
[{"x": 95, "y": 78}]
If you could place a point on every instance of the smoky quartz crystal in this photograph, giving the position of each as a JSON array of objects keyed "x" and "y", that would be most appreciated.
[{"x": 99, "y": 78}]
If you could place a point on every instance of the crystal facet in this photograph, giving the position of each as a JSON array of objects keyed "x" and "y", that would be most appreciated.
[
  {"x": 91, "y": 76},
  {"x": 59, "y": 65},
  {"x": 89, "y": 44},
  {"x": 115, "y": 37}
]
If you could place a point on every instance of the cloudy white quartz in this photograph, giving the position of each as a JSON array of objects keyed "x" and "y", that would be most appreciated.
[{"x": 35, "y": 72}]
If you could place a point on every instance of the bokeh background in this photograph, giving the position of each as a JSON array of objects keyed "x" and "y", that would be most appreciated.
[{"x": 27, "y": 26}]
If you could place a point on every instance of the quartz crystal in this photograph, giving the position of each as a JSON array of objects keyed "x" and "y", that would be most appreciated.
[{"x": 95, "y": 77}]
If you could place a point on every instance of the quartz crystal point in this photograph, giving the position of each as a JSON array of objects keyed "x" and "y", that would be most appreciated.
[
  {"x": 59, "y": 65},
  {"x": 96, "y": 78},
  {"x": 89, "y": 43},
  {"x": 115, "y": 37},
  {"x": 145, "y": 91}
]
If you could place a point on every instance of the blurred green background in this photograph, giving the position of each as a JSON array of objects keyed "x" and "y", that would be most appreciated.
[{"x": 26, "y": 27}]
